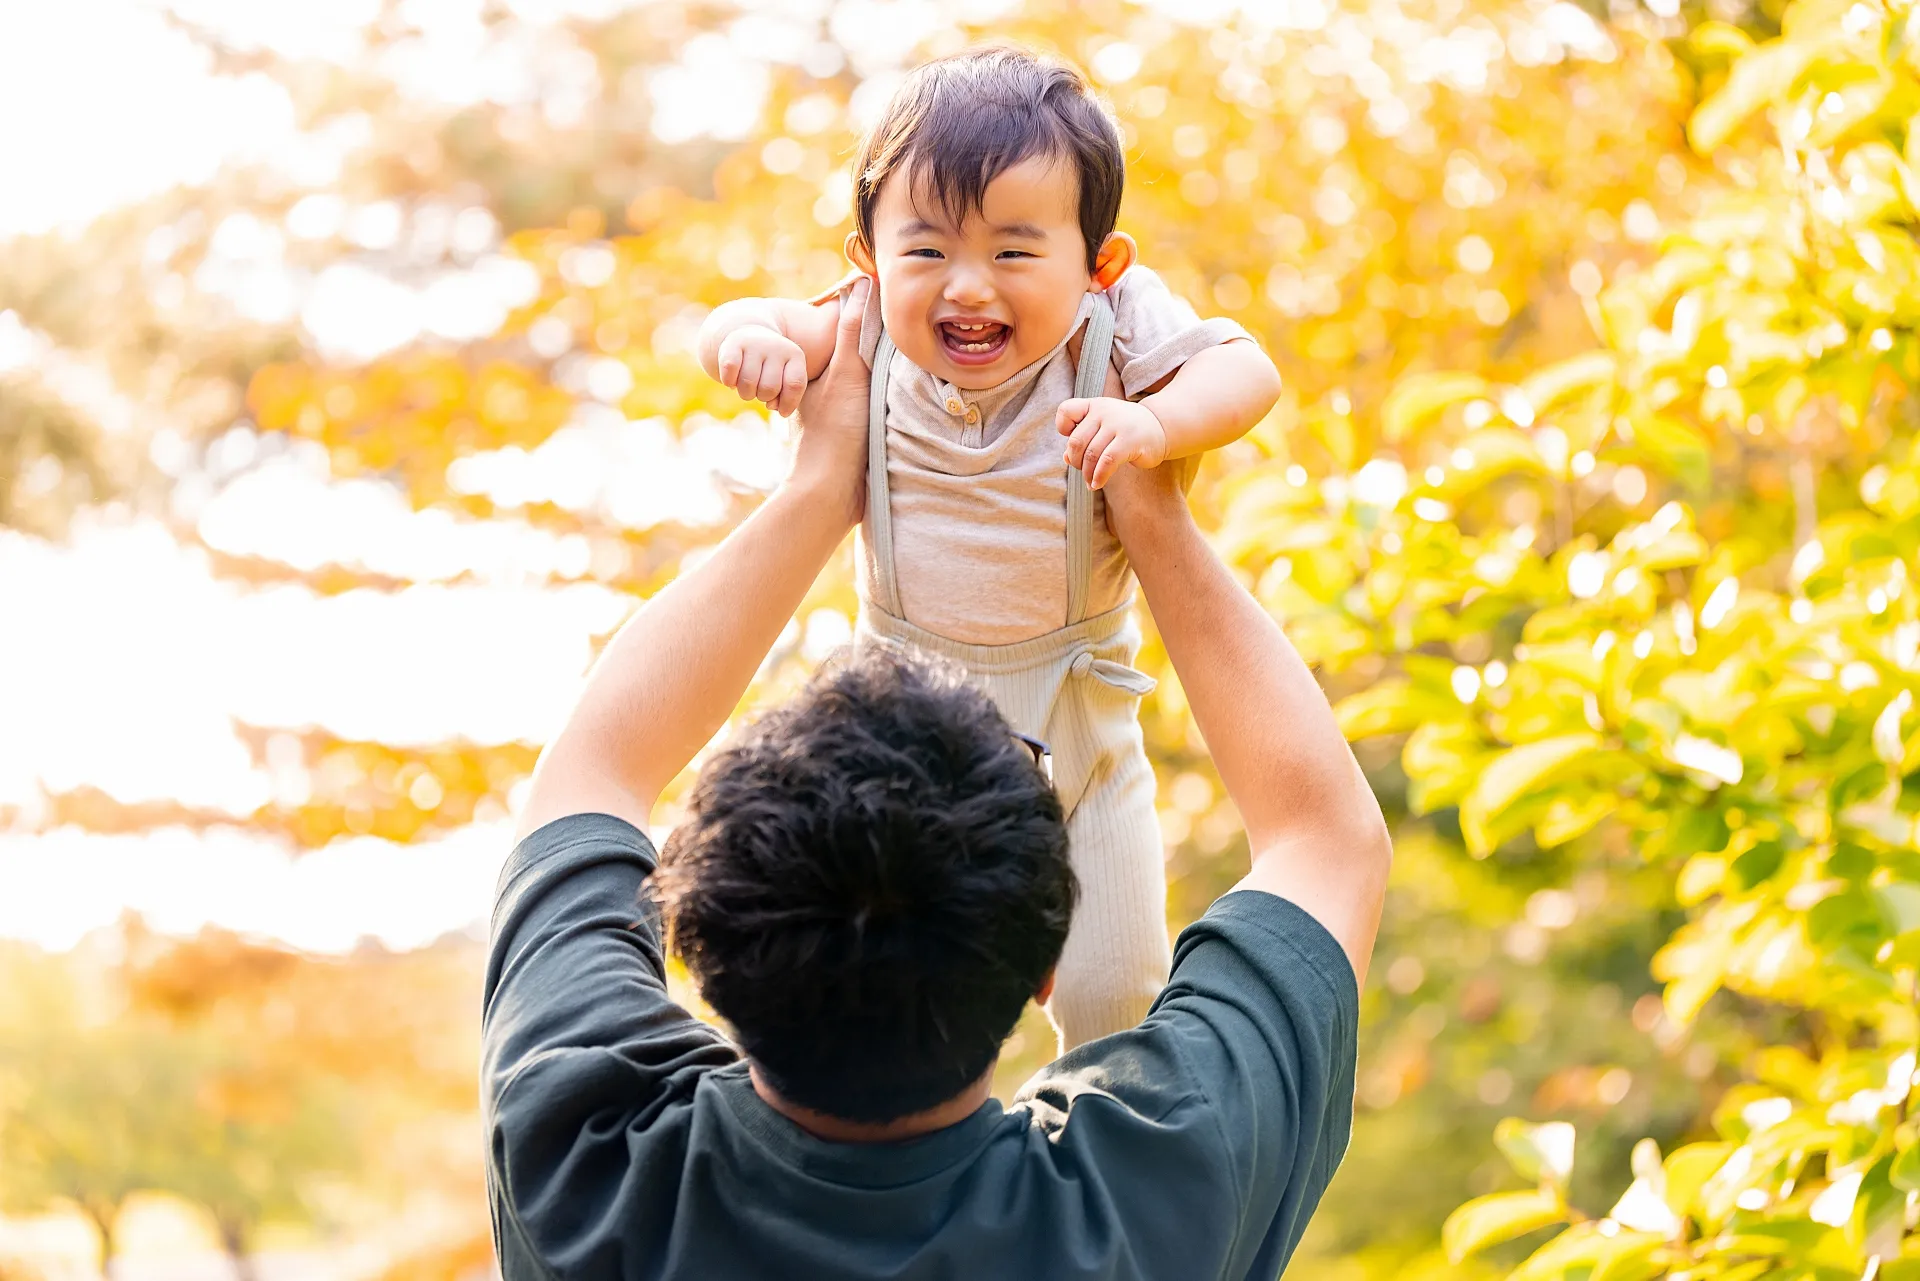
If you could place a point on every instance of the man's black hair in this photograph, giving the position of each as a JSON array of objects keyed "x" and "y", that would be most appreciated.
[
  {"x": 959, "y": 122},
  {"x": 869, "y": 885}
]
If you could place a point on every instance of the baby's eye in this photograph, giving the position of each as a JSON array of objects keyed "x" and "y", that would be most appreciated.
[
  {"x": 923, "y": 253},
  {"x": 1015, "y": 253}
]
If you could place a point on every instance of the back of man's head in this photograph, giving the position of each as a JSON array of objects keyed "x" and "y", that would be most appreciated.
[{"x": 870, "y": 884}]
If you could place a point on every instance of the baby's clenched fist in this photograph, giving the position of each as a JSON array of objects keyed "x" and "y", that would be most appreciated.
[
  {"x": 1104, "y": 434},
  {"x": 764, "y": 364}
]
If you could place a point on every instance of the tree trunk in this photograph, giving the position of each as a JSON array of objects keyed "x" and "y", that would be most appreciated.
[
  {"x": 1806, "y": 497},
  {"x": 102, "y": 1217},
  {"x": 233, "y": 1238}
]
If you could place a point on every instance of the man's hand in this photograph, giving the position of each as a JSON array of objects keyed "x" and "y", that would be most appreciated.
[
  {"x": 1142, "y": 503},
  {"x": 832, "y": 451},
  {"x": 762, "y": 364},
  {"x": 1104, "y": 434}
]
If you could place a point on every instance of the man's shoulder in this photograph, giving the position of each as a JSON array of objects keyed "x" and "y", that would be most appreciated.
[
  {"x": 585, "y": 1138},
  {"x": 585, "y": 1052},
  {"x": 1238, "y": 1082},
  {"x": 1256, "y": 980},
  {"x": 1252, "y": 958}
]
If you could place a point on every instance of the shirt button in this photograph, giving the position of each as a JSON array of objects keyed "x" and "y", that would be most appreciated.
[{"x": 953, "y": 405}]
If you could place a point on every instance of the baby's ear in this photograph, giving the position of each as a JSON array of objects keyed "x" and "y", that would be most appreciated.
[
  {"x": 1117, "y": 253},
  {"x": 858, "y": 254}
]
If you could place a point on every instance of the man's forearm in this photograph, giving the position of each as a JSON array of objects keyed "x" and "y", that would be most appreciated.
[
  {"x": 1268, "y": 725},
  {"x": 675, "y": 672},
  {"x": 1312, "y": 822},
  {"x": 672, "y": 675}
]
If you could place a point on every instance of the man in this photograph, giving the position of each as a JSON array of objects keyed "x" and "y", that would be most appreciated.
[{"x": 871, "y": 883}]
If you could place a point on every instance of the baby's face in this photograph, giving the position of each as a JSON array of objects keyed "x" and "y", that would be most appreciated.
[{"x": 976, "y": 303}]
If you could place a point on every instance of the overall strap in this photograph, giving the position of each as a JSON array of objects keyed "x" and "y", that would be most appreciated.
[
  {"x": 1089, "y": 380},
  {"x": 879, "y": 531}
]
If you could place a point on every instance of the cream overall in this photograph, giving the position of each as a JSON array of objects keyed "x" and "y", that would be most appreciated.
[{"x": 1074, "y": 689}]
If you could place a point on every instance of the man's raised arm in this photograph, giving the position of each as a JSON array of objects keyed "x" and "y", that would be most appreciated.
[
  {"x": 677, "y": 669},
  {"x": 1315, "y": 829}
]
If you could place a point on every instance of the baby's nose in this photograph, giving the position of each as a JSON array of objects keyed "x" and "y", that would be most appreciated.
[{"x": 968, "y": 287}]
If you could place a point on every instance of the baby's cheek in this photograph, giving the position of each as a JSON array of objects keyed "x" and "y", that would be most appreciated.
[
  {"x": 1042, "y": 320},
  {"x": 896, "y": 308},
  {"x": 905, "y": 316},
  {"x": 914, "y": 341}
]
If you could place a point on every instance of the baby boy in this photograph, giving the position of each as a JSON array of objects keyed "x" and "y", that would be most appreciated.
[{"x": 1005, "y": 306}]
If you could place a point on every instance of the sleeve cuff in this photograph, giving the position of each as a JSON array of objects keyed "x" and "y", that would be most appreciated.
[
  {"x": 562, "y": 836},
  {"x": 1149, "y": 367},
  {"x": 1299, "y": 933}
]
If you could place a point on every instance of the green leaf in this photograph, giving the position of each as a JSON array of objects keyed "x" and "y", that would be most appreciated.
[
  {"x": 1572, "y": 659},
  {"x": 1295, "y": 534},
  {"x": 1860, "y": 90},
  {"x": 1673, "y": 447},
  {"x": 1570, "y": 1255},
  {"x": 1759, "y": 863},
  {"x": 1688, "y": 1168},
  {"x": 1511, "y": 774},
  {"x": 1862, "y": 784},
  {"x": 1697, "y": 830},
  {"x": 1631, "y": 1257},
  {"x": 1760, "y": 77},
  {"x": 1676, "y": 550},
  {"x": 1851, "y": 862},
  {"x": 1693, "y": 963},
  {"x": 1719, "y": 39},
  {"x": 1879, "y": 1211},
  {"x": 1700, "y": 879},
  {"x": 1900, "y": 905},
  {"x": 1444, "y": 758},
  {"x": 1335, "y": 434},
  {"x": 1855, "y": 914},
  {"x": 1417, "y": 398},
  {"x": 1545, "y": 388},
  {"x": 1880, "y": 183},
  {"x": 1489, "y": 1220},
  {"x": 1905, "y": 1173},
  {"x": 1540, "y": 1154},
  {"x": 1391, "y": 707},
  {"x": 1496, "y": 452},
  {"x": 1567, "y": 819}
]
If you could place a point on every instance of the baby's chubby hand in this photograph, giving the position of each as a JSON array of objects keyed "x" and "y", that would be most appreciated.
[
  {"x": 1104, "y": 433},
  {"x": 764, "y": 364}
]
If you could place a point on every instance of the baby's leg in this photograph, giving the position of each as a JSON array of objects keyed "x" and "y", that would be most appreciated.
[{"x": 1117, "y": 957}]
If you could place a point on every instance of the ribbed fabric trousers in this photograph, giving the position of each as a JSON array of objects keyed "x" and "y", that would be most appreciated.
[{"x": 1076, "y": 690}]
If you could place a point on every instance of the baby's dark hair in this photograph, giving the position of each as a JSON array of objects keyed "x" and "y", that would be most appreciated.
[{"x": 959, "y": 122}]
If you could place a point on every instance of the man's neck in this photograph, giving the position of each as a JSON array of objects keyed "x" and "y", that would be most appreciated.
[{"x": 835, "y": 1130}]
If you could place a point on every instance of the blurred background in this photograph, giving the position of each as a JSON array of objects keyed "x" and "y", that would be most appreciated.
[{"x": 346, "y": 406}]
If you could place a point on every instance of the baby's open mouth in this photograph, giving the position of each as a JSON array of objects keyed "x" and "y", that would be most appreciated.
[{"x": 975, "y": 343}]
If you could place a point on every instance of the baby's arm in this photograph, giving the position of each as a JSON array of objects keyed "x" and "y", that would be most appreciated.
[
  {"x": 769, "y": 349},
  {"x": 1213, "y": 399}
]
